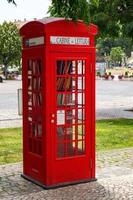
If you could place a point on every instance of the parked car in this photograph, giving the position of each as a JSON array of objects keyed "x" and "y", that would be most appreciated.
[
  {"x": 11, "y": 70},
  {"x": 130, "y": 65}
]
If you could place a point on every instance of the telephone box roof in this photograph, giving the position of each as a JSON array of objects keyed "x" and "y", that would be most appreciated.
[{"x": 54, "y": 24}]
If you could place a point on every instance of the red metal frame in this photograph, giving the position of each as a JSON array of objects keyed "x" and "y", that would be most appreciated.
[{"x": 52, "y": 158}]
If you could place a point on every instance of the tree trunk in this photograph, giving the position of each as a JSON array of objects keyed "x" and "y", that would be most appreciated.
[{"x": 5, "y": 71}]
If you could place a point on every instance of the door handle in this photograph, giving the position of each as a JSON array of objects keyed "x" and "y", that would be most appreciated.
[
  {"x": 52, "y": 118},
  {"x": 53, "y": 115}
]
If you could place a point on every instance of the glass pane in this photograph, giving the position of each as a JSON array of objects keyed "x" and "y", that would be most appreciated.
[
  {"x": 70, "y": 131},
  {"x": 60, "y": 117},
  {"x": 34, "y": 129},
  {"x": 60, "y": 99},
  {"x": 39, "y": 67},
  {"x": 60, "y": 67},
  {"x": 81, "y": 66},
  {"x": 60, "y": 134},
  {"x": 39, "y": 130},
  {"x": 70, "y": 99},
  {"x": 81, "y": 83},
  {"x": 29, "y": 67},
  {"x": 61, "y": 150},
  {"x": 34, "y": 67},
  {"x": 29, "y": 82},
  {"x": 71, "y": 151},
  {"x": 39, "y": 83},
  {"x": 81, "y": 101},
  {"x": 81, "y": 115},
  {"x": 71, "y": 67},
  {"x": 81, "y": 147},
  {"x": 81, "y": 132},
  {"x": 68, "y": 84},
  {"x": 30, "y": 98},
  {"x": 60, "y": 84},
  {"x": 34, "y": 83},
  {"x": 70, "y": 116},
  {"x": 39, "y": 99}
]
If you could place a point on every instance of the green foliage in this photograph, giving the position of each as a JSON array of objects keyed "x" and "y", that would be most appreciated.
[
  {"x": 76, "y": 9},
  {"x": 126, "y": 73},
  {"x": 113, "y": 17},
  {"x": 116, "y": 55},
  {"x": 104, "y": 45},
  {"x": 10, "y": 44}
]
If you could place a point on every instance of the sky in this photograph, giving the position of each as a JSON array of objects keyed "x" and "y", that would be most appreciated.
[{"x": 28, "y": 9}]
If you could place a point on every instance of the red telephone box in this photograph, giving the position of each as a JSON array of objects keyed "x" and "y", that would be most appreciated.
[{"x": 58, "y": 62}]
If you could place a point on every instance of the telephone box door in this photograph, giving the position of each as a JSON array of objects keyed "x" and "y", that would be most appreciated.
[{"x": 71, "y": 117}]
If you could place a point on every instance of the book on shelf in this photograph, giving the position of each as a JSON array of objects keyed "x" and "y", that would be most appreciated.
[
  {"x": 64, "y": 67},
  {"x": 61, "y": 99},
  {"x": 60, "y": 67},
  {"x": 64, "y": 84}
]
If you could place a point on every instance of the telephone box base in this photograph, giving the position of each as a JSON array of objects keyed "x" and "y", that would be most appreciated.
[{"x": 57, "y": 185}]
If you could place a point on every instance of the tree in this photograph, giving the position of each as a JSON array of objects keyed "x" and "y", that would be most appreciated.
[
  {"x": 76, "y": 9},
  {"x": 11, "y": 1},
  {"x": 116, "y": 55},
  {"x": 104, "y": 45},
  {"x": 10, "y": 45},
  {"x": 113, "y": 17}
]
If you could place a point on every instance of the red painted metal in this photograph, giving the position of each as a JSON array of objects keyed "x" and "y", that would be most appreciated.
[{"x": 58, "y": 103}]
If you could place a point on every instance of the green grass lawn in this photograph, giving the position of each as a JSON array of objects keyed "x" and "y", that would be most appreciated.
[
  {"x": 10, "y": 145},
  {"x": 111, "y": 134}
]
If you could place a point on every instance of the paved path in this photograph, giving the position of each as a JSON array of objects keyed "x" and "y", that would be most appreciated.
[{"x": 114, "y": 173}]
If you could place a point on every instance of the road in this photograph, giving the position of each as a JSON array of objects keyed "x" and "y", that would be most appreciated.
[
  {"x": 112, "y": 99},
  {"x": 9, "y": 104}
]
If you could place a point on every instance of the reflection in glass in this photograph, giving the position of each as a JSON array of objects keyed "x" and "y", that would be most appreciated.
[
  {"x": 70, "y": 131},
  {"x": 81, "y": 83},
  {"x": 71, "y": 148},
  {"x": 70, "y": 117},
  {"x": 81, "y": 66},
  {"x": 70, "y": 99},
  {"x": 81, "y": 147},
  {"x": 61, "y": 150},
  {"x": 81, "y": 115},
  {"x": 60, "y": 117},
  {"x": 81, "y": 132},
  {"x": 81, "y": 99}
]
